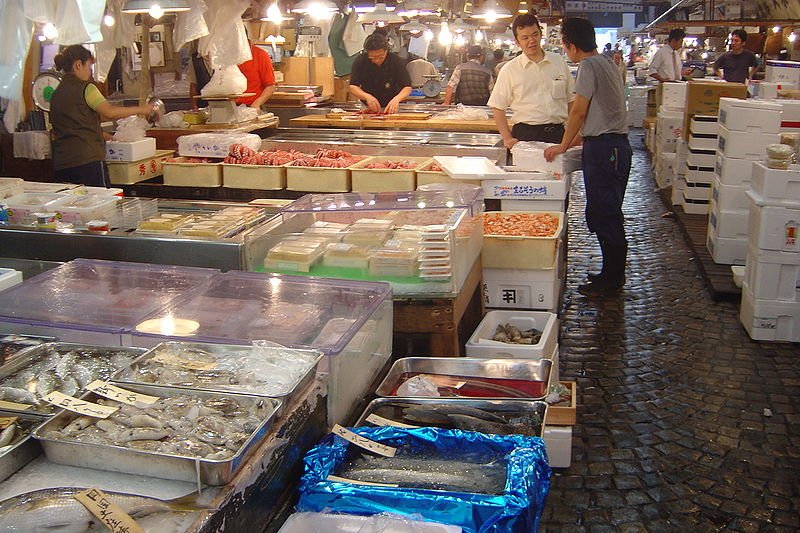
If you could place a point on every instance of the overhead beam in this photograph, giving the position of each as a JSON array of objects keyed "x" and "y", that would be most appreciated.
[{"x": 723, "y": 23}]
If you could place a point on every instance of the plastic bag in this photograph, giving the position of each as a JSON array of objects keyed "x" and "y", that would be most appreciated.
[
  {"x": 69, "y": 22},
  {"x": 245, "y": 113},
  {"x": 173, "y": 119},
  {"x": 190, "y": 25},
  {"x": 225, "y": 81},
  {"x": 226, "y": 43},
  {"x": 463, "y": 112},
  {"x": 418, "y": 386},
  {"x": 131, "y": 129},
  {"x": 15, "y": 39},
  {"x": 215, "y": 144},
  {"x": 40, "y": 10}
]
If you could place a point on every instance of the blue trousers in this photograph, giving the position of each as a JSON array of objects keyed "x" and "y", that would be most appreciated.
[{"x": 606, "y": 166}]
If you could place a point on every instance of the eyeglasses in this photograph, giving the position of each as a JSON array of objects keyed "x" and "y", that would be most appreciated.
[{"x": 377, "y": 55}]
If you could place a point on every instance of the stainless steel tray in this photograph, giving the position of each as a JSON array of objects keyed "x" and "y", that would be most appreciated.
[
  {"x": 30, "y": 356},
  {"x": 22, "y": 452},
  {"x": 120, "y": 459},
  {"x": 12, "y": 345},
  {"x": 392, "y": 409},
  {"x": 125, "y": 377},
  {"x": 497, "y": 369}
]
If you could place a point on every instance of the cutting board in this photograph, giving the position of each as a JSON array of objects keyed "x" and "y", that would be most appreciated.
[{"x": 393, "y": 116}]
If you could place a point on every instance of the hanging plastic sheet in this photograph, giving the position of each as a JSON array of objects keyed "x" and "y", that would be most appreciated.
[
  {"x": 15, "y": 39},
  {"x": 517, "y": 508},
  {"x": 190, "y": 25},
  {"x": 69, "y": 23},
  {"x": 226, "y": 43},
  {"x": 41, "y": 10}
]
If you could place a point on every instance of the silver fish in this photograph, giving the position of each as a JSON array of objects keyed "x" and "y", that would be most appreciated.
[
  {"x": 58, "y": 510},
  {"x": 7, "y": 435}
]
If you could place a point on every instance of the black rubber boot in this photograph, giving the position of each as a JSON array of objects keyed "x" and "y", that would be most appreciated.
[
  {"x": 614, "y": 279},
  {"x": 600, "y": 275}
]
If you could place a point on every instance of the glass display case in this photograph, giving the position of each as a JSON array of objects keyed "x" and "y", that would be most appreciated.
[
  {"x": 423, "y": 243},
  {"x": 349, "y": 321}
]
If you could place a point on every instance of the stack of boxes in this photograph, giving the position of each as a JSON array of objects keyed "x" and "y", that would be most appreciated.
[
  {"x": 637, "y": 105},
  {"x": 770, "y": 307},
  {"x": 669, "y": 124},
  {"x": 746, "y": 127},
  {"x": 700, "y": 159}
]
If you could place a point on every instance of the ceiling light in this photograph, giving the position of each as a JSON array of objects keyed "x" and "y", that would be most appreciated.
[
  {"x": 523, "y": 7},
  {"x": 273, "y": 14},
  {"x": 459, "y": 26},
  {"x": 108, "y": 20},
  {"x": 478, "y": 36},
  {"x": 491, "y": 11},
  {"x": 445, "y": 37},
  {"x": 459, "y": 40},
  {"x": 413, "y": 27},
  {"x": 275, "y": 39},
  {"x": 792, "y": 37},
  {"x": 149, "y": 6},
  {"x": 314, "y": 7},
  {"x": 416, "y": 8},
  {"x": 428, "y": 34},
  {"x": 380, "y": 14},
  {"x": 776, "y": 29}
]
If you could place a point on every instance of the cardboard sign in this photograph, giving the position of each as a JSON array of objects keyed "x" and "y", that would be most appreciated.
[
  {"x": 82, "y": 407},
  {"x": 109, "y": 513},
  {"x": 358, "y": 440},
  {"x": 112, "y": 392}
]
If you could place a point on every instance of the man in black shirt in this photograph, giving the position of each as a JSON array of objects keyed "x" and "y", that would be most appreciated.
[
  {"x": 739, "y": 64},
  {"x": 379, "y": 77}
]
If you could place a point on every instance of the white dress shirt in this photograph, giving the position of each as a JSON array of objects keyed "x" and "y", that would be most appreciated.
[
  {"x": 665, "y": 61},
  {"x": 537, "y": 93}
]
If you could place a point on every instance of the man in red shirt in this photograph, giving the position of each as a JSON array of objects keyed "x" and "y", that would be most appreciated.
[{"x": 260, "y": 78}]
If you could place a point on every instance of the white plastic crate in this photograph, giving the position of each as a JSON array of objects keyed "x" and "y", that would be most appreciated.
[
  {"x": 769, "y": 320},
  {"x": 10, "y": 277},
  {"x": 771, "y": 281},
  {"x": 480, "y": 343},
  {"x": 558, "y": 442},
  {"x": 772, "y": 184},
  {"x": 729, "y": 197},
  {"x": 522, "y": 289},
  {"x": 774, "y": 226},
  {"x": 725, "y": 251},
  {"x": 748, "y": 146},
  {"x": 728, "y": 224},
  {"x": 751, "y": 116},
  {"x": 732, "y": 171}
]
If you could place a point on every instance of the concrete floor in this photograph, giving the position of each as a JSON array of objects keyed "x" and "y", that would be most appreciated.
[{"x": 684, "y": 423}]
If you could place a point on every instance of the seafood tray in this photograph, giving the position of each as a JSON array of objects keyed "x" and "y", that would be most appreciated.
[
  {"x": 22, "y": 449},
  {"x": 499, "y": 417},
  {"x": 116, "y": 458},
  {"x": 224, "y": 368},
  {"x": 486, "y": 379},
  {"x": 30, "y": 376},
  {"x": 11, "y": 345}
]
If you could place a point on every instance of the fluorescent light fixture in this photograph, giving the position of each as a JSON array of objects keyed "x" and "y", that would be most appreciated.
[
  {"x": 491, "y": 11},
  {"x": 155, "y": 6},
  {"x": 413, "y": 27},
  {"x": 459, "y": 40},
  {"x": 380, "y": 14}
]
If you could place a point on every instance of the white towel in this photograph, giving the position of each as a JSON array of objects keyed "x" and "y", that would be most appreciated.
[
  {"x": 354, "y": 35},
  {"x": 32, "y": 145}
]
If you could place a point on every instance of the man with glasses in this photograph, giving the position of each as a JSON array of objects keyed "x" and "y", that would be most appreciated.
[
  {"x": 536, "y": 86},
  {"x": 379, "y": 77}
]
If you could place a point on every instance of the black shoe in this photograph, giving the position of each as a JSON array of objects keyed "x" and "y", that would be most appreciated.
[
  {"x": 600, "y": 288},
  {"x": 595, "y": 277}
]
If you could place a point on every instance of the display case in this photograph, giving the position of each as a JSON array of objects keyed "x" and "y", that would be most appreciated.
[
  {"x": 423, "y": 242},
  {"x": 350, "y": 322},
  {"x": 94, "y": 302}
]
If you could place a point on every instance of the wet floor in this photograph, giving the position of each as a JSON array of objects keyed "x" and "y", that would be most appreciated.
[{"x": 684, "y": 423}]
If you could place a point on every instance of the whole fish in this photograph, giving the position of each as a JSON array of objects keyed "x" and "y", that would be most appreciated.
[
  {"x": 439, "y": 414},
  {"x": 57, "y": 510}
]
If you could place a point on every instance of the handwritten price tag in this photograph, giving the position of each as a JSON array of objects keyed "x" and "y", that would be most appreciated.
[
  {"x": 371, "y": 445},
  {"x": 170, "y": 360},
  {"x": 59, "y": 399},
  {"x": 6, "y": 421},
  {"x": 112, "y": 392},
  {"x": 14, "y": 405},
  {"x": 354, "y": 482},
  {"x": 109, "y": 513},
  {"x": 380, "y": 421}
]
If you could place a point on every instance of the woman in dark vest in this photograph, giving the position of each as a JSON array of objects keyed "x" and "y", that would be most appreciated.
[{"x": 76, "y": 109}]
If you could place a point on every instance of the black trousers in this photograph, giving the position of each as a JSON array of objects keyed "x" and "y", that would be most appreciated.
[
  {"x": 94, "y": 174},
  {"x": 549, "y": 133}
]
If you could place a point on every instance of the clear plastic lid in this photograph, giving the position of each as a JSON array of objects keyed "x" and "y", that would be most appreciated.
[
  {"x": 471, "y": 198},
  {"x": 98, "y": 295}
]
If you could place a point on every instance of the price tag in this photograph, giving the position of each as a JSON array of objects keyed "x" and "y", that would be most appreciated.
[
  {"x": 354, "y": 482},
  {"x": 14, "y": 405},
  {"x": 109, "y": 513},
  {"x": 59, "y": 399},
  {"x": 6, "y": 421},
  {"x": 358, "y": 440},
  {"x": 112, "y": 392},
  {"x": 444, "y": 381},
  {"x": 380, "y": 421},
  {"x": 171, "y": 360}
]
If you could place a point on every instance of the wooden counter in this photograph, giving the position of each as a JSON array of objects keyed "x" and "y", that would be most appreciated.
[
  {"x": 431, "y": 124},
  {"x": 166, "y": 138}
]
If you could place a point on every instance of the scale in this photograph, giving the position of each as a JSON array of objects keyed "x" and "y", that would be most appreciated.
[
  {"x": 43, "y": 87},
  {"x": 432, "y": 86},
  {"x": 222, "y": 109}
]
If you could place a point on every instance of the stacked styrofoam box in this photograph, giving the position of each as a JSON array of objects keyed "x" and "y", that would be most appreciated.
[
  {"x": 673, "y": 96},
  {"x": 770, "y": 307},
  {"x": 669, "y": 126},
  {"x": 746, "y": 127},
  {"x": 787, "y": 73},
  {"x": 637, "y": 105},
  {"x": 665, "y": 169},
  {"x": 699, "y": 168}
]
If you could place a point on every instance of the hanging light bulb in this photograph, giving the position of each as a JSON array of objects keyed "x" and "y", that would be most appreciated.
[
  {"x": 428, "y": 34},
  {"x": 49, "y": 31},
  {"x": 459, "y": 26},
  {"x": 108, "y": 20},
  {"x": 478, "y": 36},
  {"x": 274, "y": 14},
  {"x": 491, "y": 11},
  {"x": 156, "y": 11},
  {"x": 413, "y": 27},
  {"x": 792, "y": 37},
  {"x": 445, "y": 37},
  {"x": 776, "y": 29},
  {"x": 460, "y": 40}
]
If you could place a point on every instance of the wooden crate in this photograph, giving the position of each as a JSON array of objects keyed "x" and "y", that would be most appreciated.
[{"x": 564, "y": 415}]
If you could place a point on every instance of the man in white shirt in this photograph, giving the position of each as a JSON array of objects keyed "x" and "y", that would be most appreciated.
[
  {"x": 419, "y": 69},
  {"x": 536, "y": 85},
  {"x": 666, "y": 64}
]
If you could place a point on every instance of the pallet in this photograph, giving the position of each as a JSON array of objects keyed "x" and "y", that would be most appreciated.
[{"x": 718, "y": 278}]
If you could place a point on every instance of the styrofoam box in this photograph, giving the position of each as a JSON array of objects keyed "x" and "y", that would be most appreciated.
[
  {"x": 695, "y": 207},
  {"x": 264, "y": 177},
  {"x": 783, "y": 72},
  {"x": 764, "y": 89},
  {"x": 530, "y": 156},
  {"x": 704, "y": 125},
  {"x": 726, "y": 251},
  {"x": 769, "y": 320},
  {"x": 728, "y": 224},
  {"x": 738, "y": 275},
  {"x": 558, "y": 442},
  {"x": 699, "y": 142},
  {"x": 527, "y": 189},
  {"x": 772, "y": 281},
  {"x": 345, "y": 523},
  {"x": 752, "y": 116},
  {"x": 522, "y": 289},
  {"x": 131, "y": 151},
  {"x": 427, "y": 177},
  {"x": 773, "y": 227},
  {"x": 697, "y": 191},
  {"x": 673, "y": 94},
  {"x": 731, "y": 171},
  {"x": 125, "y": 173},
  {"x": 790, "y": 112},
  {"x": 215, "y": 144},
  {"x": 480, "y": 343},
  {"x": 729, "y": 197},
  {"x": 386, "y": 180},
  {"x": 10, "y": 277},
  {"x": 745, "y": 146},
  {"x": 178, "y": 173},
  {"x": 772, "y": 184},
  {"x": 11, "y": 186},
  {"x": 677, "y": 191},
  {"x": 703, "y": 159}
]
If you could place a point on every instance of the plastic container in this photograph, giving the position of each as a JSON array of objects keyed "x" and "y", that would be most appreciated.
[
  {"x": 178, "y": 173},
  {"x": 383, "y": 180},
  {"x": 319, "y": 179},
  {"x": 22, "y": 207},
  {"x": 480, "y": 344},
  {"x": 263, "y": 177},
  {"x": 79, "y": 210},
  {"x": 11, "y": 187},
  {"x": 774, "y": 225},
  {"x": 522, "y": 252},
  {"x": 9, "y": 277}
]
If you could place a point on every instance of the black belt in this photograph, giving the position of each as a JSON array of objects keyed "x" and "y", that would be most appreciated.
[
  {"x": 543, "y": 127},
  {"x": 590, "y": 137}
]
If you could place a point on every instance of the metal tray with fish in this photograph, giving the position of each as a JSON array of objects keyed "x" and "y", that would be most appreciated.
[
  {"x": 61, "y": 366},
  {"x": 98, "y": 449},
  {"x": 498, "y": 417},
  {"x": 225, "y": 368},
  {"x": 12, "y": 345},
  {"x": 462, "y": 377},
  {"x": 17, "y": 447}
]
